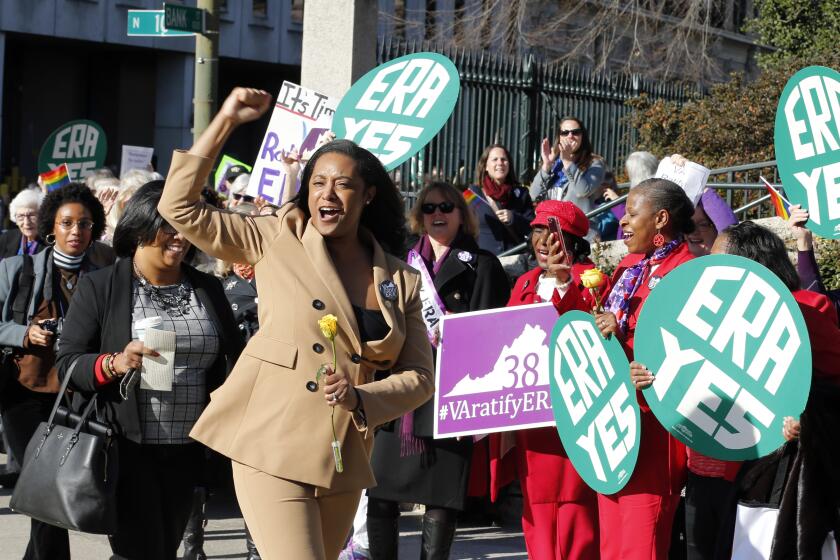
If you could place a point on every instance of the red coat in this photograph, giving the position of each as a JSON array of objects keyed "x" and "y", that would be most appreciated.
[
  {"x": 658, "y": 450},
  {"x": 821, "y": 319},
  {"x": 545, "y": 471}
]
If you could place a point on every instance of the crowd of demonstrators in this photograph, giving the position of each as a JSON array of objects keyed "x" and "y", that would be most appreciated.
[
  {"x": 35, "y": 294},
  {"x": 409, "y": 465},
  {"x": 505, "y": 208},
  {"x": 560, "y": 513},
  {"x": 150, "y": 287},
  {"x": 189, "y": 262}
]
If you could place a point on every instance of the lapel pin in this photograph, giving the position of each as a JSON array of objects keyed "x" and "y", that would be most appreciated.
[
  {"x": 465, "y": 256},
  {"x": 388, "y": 290}
]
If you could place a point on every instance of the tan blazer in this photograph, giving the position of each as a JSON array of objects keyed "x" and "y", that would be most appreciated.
[{"x": 263, "y": 416}]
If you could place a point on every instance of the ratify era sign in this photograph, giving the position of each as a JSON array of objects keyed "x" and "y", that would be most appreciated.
[
  {"x": 730, "y": 353},
  {"x": 807, "y": 142},
  {"x": 492, "y": 371},
  {"x": 80, "y": 144},
  {"x": 594, "y": 403},
  {"x": 398, "y": 107},
  {"x": 300, "y": 119}
]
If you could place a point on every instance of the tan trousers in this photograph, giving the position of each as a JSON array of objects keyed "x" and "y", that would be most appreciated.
[{"x": 290, "y": 519}]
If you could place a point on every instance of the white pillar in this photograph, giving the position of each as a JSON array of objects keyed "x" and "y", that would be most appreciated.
[{"x": 339, "y": 43}]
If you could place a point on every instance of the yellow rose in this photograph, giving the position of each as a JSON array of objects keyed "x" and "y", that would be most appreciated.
[
  {"x": 593, "y": 278},
  {"x": 329, "y": 326}
]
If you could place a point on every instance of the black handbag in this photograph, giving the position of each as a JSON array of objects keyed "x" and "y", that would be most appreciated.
[{"x": 69, "y": 473}]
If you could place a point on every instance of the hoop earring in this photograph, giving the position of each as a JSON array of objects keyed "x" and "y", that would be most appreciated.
[
  {"x": 658, "y": 239},
  {"x": 49, "y": 239}
]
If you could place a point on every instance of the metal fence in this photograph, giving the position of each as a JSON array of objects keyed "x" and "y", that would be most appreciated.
[{"x": 517, "y": 102}]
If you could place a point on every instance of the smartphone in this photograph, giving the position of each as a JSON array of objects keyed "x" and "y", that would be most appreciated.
[{"x": 554, "y": 227}]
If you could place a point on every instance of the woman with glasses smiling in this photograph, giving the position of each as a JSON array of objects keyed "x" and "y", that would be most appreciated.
[
  {"x": 35, "y": 294},
  {"x": 24, "y": 212},
  {"x": 409, "y": 465},
  {"x": 570, "y": 170}
]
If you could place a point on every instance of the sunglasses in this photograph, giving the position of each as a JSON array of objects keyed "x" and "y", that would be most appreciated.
[
  {"x": 243, "y": 197},
  {"x": 445, "y": 207},
  {"x": 573, "y": 131}
]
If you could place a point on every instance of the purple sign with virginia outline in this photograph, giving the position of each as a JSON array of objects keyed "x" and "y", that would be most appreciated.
[{"x": 492, "y": 371}]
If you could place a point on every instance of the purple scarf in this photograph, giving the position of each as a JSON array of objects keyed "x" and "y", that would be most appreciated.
[
  {"x": 619, "y": 301},
  {"x": 409, "y": 443},
  {"x": 424, "y": 249}
]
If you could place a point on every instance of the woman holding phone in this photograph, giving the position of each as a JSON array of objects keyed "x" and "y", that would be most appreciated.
[{"x": 560, "y": 515}]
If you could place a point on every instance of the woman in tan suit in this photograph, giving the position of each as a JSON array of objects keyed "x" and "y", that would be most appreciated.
[{"x": 329, "y": 251}]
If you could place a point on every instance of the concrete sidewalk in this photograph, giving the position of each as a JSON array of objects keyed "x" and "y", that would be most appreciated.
[{"x": 225, "y": 536}]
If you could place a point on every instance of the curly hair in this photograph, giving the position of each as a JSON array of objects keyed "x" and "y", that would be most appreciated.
[
  {"x": 385, "y": 215},
  {"x": 70, "y": 194}
]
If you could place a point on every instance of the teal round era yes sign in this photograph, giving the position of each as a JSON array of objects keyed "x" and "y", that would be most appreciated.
[
  {"x": 595, "y": 408},
  {"x": 398, "y": 107},
  {"x": 807, "y": 142},
  {"x": 730, "y": 353},
  {"x": 81, "y": 144}
]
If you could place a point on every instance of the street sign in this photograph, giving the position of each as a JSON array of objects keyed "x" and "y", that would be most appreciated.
[
  {"x": 149, "y": 23},
  {"x": 184, "y": 18}
]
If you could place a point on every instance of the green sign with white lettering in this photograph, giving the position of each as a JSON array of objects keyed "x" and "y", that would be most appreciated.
[
  {"x": 594, "y": 403},
  {"x": 807, "y": 142},
  {"x": 184, "y": 18},
  {"x": 398, "y": 107},
  {"x": 149, "y": 23},
  {"x": 730, "y": 353},
  {"x": 80, "y": 144}
]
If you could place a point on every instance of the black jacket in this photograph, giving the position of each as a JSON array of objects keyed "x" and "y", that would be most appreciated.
[
  {"x": 493, "y": 235},
  {"x": 470, "y": 279},
  {"x": 99, "y": 322},
  {"x": 242, "y": 296}
]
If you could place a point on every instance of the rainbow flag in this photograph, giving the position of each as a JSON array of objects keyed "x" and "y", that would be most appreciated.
[
  {"x": 469, "y": 196},
  {"x": 56, "y": 178},
  {"x": 780, "y": 203}
]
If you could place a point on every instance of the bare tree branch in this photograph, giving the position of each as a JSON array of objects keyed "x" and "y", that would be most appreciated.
[{"x": 657, "y": 38}]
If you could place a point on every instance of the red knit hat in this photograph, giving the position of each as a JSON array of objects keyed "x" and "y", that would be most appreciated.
[{"x": 572, "y": 219}]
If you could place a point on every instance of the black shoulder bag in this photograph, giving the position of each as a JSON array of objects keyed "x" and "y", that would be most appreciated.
[
  {"x": 26, "y": 278},
  {"x": 69, "y": 473}
]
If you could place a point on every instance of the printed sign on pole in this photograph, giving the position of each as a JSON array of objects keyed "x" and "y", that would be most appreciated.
[
  {"x": 594, "y": 402},
  {"x": 135, "y": 157},
  {"x": 730, "y": 354},
  {"x": 398, "y": 107},
  {"x": 300, "y": 118},
  {"x": 807, "y": 142},
  {"x": 691, "y": 176},
  {"x": 492, "y": 371},
  {"x": 80, "y": 144}
]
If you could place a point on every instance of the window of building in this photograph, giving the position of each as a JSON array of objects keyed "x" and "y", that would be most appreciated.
[
  {"x": 260, "y": 8},
  {"x": 297, "y": 11}
]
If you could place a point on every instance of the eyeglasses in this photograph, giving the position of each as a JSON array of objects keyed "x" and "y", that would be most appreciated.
[
  {"x": 243, "y": 197},
  {"x": 26, "y": 217},
  {"x": 68, "y": 225},
  {"x": 573, "y": 132},
  {"x": 445, "y": 207}
]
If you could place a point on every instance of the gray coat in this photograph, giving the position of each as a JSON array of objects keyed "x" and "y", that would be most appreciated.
[
  {"x": 11, "y": 333},
  {"x": 582, "y": 189}
]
